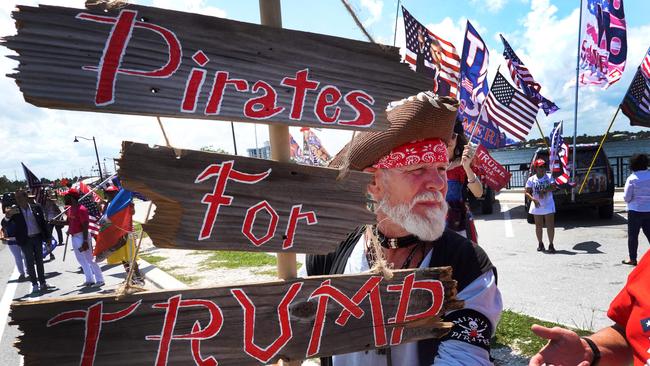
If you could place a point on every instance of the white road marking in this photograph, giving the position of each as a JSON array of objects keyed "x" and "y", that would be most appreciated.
[
  {"x": 507, "y": 221},
  {"x": 10, "y": 291}
]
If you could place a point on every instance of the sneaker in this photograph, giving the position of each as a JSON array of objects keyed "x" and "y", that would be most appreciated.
[
  {"x": 540, "y": 247},
  {"x": 98, "y": 284},
  {"x": 35, "y": 289},
  {"x": 86, "y": 284},
  {"x": 45, "y": 287},
  {"x": 551, "y": 249},
  {"x": 631, "y": 263},
  {"x": 22, "y": 278}
]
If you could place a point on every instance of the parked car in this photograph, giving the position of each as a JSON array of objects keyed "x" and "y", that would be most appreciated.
[{"x": 599, "y": 189}]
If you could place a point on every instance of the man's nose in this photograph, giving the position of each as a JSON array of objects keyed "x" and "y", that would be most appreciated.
[{"x": 436, "y": 181}]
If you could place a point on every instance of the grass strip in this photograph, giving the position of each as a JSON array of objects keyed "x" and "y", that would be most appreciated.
[{"x": 514, "y": 331}]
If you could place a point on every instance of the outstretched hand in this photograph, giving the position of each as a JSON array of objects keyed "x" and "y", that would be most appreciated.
[{"x": 564, "y": 348}]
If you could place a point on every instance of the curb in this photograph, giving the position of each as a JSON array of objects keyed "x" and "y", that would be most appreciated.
[{"x": 158, "y": 277}]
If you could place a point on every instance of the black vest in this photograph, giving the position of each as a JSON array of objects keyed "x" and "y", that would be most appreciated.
[{"x": 467, "y": 259}]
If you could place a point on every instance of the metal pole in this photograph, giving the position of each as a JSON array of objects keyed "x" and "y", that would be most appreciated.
[
  {"x": 99, "y": 167},
  {"x": 271, "y": 15},
  {"x": 234, "y": 142},
  {"x": 575, "y": 113},
  {"x": 396, "y": 16}
]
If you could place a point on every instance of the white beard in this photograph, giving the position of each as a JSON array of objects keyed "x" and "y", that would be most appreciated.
[{"x": 427, "y": 228}]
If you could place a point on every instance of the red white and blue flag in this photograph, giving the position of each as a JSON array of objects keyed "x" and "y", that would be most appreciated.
[
  {"x": 524, "y": 79},
  {"x": 509, "y": 108},
  {"x": 559, "y": 155},
  {"x": 443, "y": 67},
  {"x": 603, "y": 49},
  {"x": 636, "y": 103}
]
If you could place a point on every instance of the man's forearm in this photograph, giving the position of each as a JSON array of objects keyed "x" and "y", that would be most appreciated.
[{"x": 613, "y": 346}]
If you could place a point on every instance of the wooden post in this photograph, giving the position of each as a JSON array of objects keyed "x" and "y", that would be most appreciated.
[{"x": 271, "y": 15}]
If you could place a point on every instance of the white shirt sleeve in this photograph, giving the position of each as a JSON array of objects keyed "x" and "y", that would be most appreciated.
[
  {"x": 628, "y": 191},
  {"x": 483, "y": 296}
]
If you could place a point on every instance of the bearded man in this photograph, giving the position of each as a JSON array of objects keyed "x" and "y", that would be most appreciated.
[{"x": 408, "y": 163}]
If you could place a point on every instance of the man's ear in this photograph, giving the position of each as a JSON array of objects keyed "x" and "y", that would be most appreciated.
[{"x": 373, "y": 187}]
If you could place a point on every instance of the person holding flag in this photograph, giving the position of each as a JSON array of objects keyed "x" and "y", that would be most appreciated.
[
  {"x": 460, "y": 173},
  {"x": 78, "y": 222}
]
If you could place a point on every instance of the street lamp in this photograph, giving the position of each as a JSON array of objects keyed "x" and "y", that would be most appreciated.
[{"x": 101, "y": 177}]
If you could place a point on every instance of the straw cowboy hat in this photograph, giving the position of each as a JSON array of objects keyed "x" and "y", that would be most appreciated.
[{"x": 419, "y": 117}]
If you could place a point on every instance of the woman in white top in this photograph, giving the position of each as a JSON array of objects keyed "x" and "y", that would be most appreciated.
[
  {"x": 539, "y": 189},
  {"x": 637, "y": 196}
]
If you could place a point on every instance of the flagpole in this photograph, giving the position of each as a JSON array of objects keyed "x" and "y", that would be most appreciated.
[
  {"x": 396, "y": 16},
  {"x": 575, "y": 112},
  {"x": 542, "y": 133},
  {"x": 602, "y": 142}
]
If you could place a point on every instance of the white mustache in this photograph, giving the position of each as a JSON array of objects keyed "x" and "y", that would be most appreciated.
[{"x": 433, "y": 196}]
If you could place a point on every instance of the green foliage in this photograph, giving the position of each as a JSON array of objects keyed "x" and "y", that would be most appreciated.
[
  {"x": 226, "y": 259},
  {"x": 514, "y": 331},
  {"x": 7, "y": 185}
]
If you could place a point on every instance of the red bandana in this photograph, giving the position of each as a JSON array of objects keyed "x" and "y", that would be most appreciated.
[{"x": 432, "y": 150}]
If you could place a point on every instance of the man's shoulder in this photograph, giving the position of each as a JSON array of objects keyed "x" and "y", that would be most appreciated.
[{"x": 467, "y": 259}]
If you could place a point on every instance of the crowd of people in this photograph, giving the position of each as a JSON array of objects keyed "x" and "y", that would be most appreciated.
[{"x": 28, "y": 228}]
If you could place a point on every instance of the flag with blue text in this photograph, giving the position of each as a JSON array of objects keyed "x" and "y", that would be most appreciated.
[{"x": 474, "y": 87}]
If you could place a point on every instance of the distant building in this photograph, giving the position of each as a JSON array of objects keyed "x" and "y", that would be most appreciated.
[{"x": 263, "y": 152}]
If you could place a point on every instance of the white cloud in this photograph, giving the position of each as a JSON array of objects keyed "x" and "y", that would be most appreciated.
[
  {"x": 190, "y": 6},
  {"x": 374, "y": 7},
  {"x": 493, "y": 6},
  {"x": 547, "y": 44}
]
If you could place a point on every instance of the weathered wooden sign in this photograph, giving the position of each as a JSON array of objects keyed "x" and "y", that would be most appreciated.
[
  {"x": 149, "y": 61},
  {"x": 245, "y": 325},
  {"x": 213, "y": 201}
]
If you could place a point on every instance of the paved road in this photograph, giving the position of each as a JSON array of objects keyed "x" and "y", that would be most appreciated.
[
  {"x": 573, "y": 286},
  {"x": 66, "y": 276}
]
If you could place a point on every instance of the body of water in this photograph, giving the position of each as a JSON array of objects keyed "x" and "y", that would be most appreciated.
[{"x": 612, "y": 149}]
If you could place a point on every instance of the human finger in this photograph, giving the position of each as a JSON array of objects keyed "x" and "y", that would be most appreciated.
[
  {"x": 537, "y": 360},
  {"x": 547, "y": 333}
]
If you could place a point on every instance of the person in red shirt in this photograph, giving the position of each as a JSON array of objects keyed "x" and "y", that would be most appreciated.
[
  {"x": 626, "y": 341},
  {"x": 78, "y": 229}
]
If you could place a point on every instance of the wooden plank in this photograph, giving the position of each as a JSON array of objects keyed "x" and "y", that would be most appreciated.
[
  {"x": 219, "y": 325},
  {"x": 327, "y": 209},
  {"x": 56, "y": 46}
]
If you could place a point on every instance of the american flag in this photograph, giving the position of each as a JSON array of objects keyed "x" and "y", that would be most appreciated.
[
  {"x": 509, "y": 108},
  {"x": 449, "y": 60},
  {"x": 524, "y": 79},
  {"x": 636, "y": 103},
  {"x": 35, "y": 186},
  {"x": 645, "y": 65},
  {"x": 559, "y": 151},
  {"x": 93, "y": 214}
]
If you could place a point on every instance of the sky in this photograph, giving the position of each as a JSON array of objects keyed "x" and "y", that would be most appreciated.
[{"x": 544, "y": 34}]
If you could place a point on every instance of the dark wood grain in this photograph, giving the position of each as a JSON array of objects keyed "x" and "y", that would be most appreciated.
[
  {"x": 123, "y": 342},
  {"x": 339, "y": 205},
  {"x": 53, "y": 46}
]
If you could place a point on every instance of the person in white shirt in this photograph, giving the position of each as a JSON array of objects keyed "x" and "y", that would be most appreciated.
[
  {"x": 539, "y": 190},
  {"x": 637, "y": 196}
]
